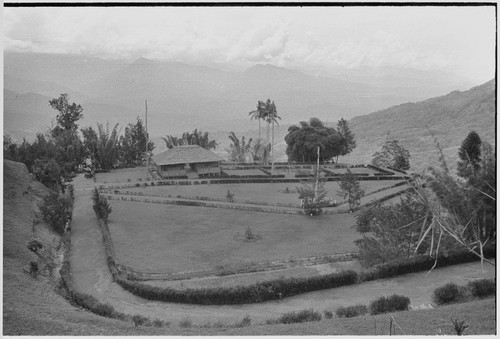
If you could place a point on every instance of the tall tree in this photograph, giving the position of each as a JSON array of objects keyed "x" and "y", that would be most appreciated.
[
  {"x": 470, "y": 155},
  {"x": 392, "y": 155},
  {"x": 103, "y": 144},
  {"x": 302, "y": 142},
  {"x": 272, "y": 117},
  {"x": 133, "y": 144},
  {"x": 239, "y": 149},
  {"x": 65, "y": 136},
  {"x": 348, "y": 141},
  {"x": 351, "y": 189},
  {"x": 69, "y": 114},
  {"x": 259, "y": 113}
]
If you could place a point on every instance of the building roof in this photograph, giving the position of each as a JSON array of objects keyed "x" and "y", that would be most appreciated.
[{"x": 185, "y": 155}]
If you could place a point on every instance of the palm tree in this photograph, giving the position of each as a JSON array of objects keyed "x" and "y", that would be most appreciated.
[
  {"x": 107, "y": 146},
  {"x": 271, "y": 117},
  {"x": 172, "y": 141},
  {"x": 259, "y": 113},
  {"x": 196, "y": 138},
  {"x": 238, "y": 150}
]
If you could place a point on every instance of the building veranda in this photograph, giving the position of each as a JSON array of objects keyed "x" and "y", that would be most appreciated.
[{"x": 190, "y": 161}]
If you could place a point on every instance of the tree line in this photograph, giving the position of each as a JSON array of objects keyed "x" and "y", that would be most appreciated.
[{"x": 61, "y": 150}]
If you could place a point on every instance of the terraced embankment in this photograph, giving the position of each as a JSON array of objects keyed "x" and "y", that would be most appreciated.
[{"x": 91, "y": 275}]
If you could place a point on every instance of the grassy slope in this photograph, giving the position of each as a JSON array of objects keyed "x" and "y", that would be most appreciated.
[
  {"x": 180, "y": 238},
  {"x": 450, "y": 117},
  {"x": 31, "y": 307}
]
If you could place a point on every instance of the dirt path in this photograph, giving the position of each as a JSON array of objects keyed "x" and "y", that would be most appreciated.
[{"x": 91, "y": 275}]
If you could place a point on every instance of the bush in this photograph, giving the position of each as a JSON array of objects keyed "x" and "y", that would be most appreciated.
[
  {"x": 328, "y": 314},
  {"x": 448, "y": 293},
  {"x": 100, "y": 205},
  {"x": 92, "y": 304},
  {"x": 258, "y": 292},
  {"x": 246, "y": 321},
  {"x": 54, "y": 210},
  {"x": 299, "y": 317},
  {"x": 482, "y": 287},
  {"x": 389, "y": 304},
  {"x": 185, "y": 323},
  {"x": 421, "y": 263},
  {"x": 139, "y": 320},
  {"x": 351, "y": 311}
]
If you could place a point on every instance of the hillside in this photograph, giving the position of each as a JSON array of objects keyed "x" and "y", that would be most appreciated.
[
  {"x": 32, "y": 306},
  {"x": 448, "y": 118}
]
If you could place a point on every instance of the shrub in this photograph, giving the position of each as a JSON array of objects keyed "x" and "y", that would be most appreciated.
[
  {"x": 54, "y": 210},
  {"x": 482, "y": 287},
  {"x": 185, "y": 323},
  {"x": 33, "y": 268},
  {"x": 230, "y": 196},
  {"x": 258, "y": 292},
  {"x": 389, "y": 304},
  {"x": 448, "y": 293},
  {"x": 100, "y": 205},
  {"x": 139, "y": 320},
  {"x": 246, "y": 321},
  {"x": 351, "y": 311},
  {"x": 299, "y": 317},
  {"x": 92, "y": 304},
  {"x": 328, "y": 314}
]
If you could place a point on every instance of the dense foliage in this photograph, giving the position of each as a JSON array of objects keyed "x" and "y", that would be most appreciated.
[
  {"x": 389, "y": 304},
  {"x": 447, "y": 293},
  {"x": 391, "y": 231},
  {"x": 392, "y": 155},
  {"x": 133, "y": 145},
  {"x": 470, "y": 155},
  {"x": 239, "y": 150},
  {"x": 313, "y": 194},
  {"x": 348, "y": 142},
  {"x": 351, "y": 311},
  {"x": 54, "y": 210},
  {"x": 470, "y": 203},
  {"x": 258, "y": 292},
  {"x": 195, "y": 138},
  {"x": 350, "y": 189},
  {"x": 302, "y": 142},
  {"x": 100, "y": 205}
]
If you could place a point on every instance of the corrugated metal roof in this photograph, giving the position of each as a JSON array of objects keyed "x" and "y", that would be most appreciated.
[{"x": 185, "y": 155}]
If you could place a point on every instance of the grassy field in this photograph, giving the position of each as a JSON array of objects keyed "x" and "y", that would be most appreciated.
[
  {"x": 170, "y": 238},
  {"x": 277, "y": 193},
  {"x": 123, "y": 175}
]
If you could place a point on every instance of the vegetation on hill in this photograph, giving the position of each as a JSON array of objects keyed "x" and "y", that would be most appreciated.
[
  {"x": 443, "y": 213},
  {"x": 446, "y": 118}
]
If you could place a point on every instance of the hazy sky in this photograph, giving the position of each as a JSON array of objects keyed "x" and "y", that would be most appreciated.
[{"x": 460, "y": 39}]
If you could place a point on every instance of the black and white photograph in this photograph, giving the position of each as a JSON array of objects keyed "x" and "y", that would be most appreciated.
[{"x": 249, "y": 169}]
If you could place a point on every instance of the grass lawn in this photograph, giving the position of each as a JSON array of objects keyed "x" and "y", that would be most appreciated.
[
  {"x": 170, "y": 238},
  {"x": 265, "y": 193},
  {"x": 123, "y": 175}
]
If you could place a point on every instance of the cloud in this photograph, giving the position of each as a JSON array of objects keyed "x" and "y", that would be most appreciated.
[{"x": 425, "y": 38}]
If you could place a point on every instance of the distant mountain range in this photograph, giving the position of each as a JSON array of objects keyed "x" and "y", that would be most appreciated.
[{"x": 183, "y": 97}]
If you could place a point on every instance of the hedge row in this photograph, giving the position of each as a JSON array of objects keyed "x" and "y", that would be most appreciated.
[
  {"x": 421, "y": 263},
  {"x": 281, "y": 288},
  {"x": 259, "y": 292}
]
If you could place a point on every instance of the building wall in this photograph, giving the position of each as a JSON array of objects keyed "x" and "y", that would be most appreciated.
[
  {"x": 207, "y": 168},
  {"x": 172, "y": 170}
]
